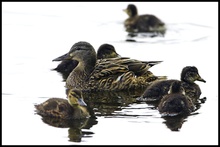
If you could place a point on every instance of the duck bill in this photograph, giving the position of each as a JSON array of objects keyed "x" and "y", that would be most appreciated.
[
  {"x": 118, "y": 55},
  {"x": 63, "y": 57},
  {"x": 81, "y": 102},
  {"x": 201, "y": 79}
]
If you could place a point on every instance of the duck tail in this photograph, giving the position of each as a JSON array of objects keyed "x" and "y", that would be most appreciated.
[
  {"x": 152, "y": 63},
  {"x": 162, "y": 77}
]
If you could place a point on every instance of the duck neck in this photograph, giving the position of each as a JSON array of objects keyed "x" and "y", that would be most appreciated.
[
  {"x": 80, "y": 113},
  {"x": 79, "y": 76},
  {"x": 133, "y": 12}
]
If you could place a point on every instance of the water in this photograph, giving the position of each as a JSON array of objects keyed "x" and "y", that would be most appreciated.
[{"x": 35, "y": 33}]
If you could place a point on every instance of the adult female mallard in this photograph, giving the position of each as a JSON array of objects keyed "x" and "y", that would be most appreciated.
[
  {"x": 176, "y": 102},
  {"x": 73, "y": 108},
  {"x": 104, "y": 51},
  {"x": 158, "y": 89},
  {"x": 111, "y": 74},
  {"x": 142, "y": 23}
]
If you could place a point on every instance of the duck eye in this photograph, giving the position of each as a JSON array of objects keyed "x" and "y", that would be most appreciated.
[
  {"x": 191, "y": 74},
  {"x": 61, "y": 108},
  {"x": 77, "y": 48}
]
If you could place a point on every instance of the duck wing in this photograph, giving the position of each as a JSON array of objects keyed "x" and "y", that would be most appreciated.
[
  {"x": 119, "y": 74},
  {"x": 138, "y": 67}
]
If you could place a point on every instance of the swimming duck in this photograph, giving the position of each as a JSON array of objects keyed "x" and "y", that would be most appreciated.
[
  {"x": 175, "y": 102},
  {"x": 65, "y": 67},
  {"x": 73, "y": 108},
  {"x": 142, "y": 23},
  {"x": 111, "y": 74},
  {"x": 104, "y": 51},
  {"x": 158, "y": 89}
]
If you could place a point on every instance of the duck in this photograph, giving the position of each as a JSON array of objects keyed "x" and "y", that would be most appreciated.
[
  {"x": 72, "y": 108},
  {"x": 136, "y": 23},
  {"x": 65, "y": 68},
  {"x": 158, "y": 89},
  {"x": 176, "y": 102},
  {"x": 109, "y": 74},
  {"x": 104, "y": 51},
  {"x": 107, "y": 51}
]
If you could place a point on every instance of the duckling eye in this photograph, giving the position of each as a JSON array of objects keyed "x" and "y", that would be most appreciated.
[{"x": 71, "y": 54}]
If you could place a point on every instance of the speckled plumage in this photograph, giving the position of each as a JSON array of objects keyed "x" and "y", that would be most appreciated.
[
  {"x": 160, "y": 88},
  {"x": 73, "y": 108},
  {"x": 142, "y": 23},
  {"x": 112, "y": 74},
  {"x": 104, "y": 51},
  {"x": 175, "y": 102}
]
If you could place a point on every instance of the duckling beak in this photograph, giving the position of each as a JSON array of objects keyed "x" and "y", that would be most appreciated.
[
  {"x": 201, "y": 79},
  {"x": 63, "y": 57},
  {"x": 125, "y": 10},
  {"x": 81, "y": 102}
]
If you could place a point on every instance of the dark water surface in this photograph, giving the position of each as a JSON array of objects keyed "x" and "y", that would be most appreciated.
[{"x": 35, "y": 33}]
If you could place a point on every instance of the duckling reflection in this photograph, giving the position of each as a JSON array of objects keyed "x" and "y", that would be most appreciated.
[
  {"x": 142, "y": 23},
  {"x": 75, "y": 132},
  {"x": 174, "y": 123}
]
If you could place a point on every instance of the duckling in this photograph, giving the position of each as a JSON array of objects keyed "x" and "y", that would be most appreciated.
[
  {"x": 142, "y": 23},
  {"x": 158, "y": 89},
  {"x": 107, "y": 51},
  {"x": 111, "y": 74},
  {"x": 104, "y": 51},
  {"x": 175, "y": 102},
  {"x": 73, "y": 108}
]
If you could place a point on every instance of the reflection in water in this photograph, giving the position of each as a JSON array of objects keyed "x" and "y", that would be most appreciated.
[
  {"x": 174, "y": 123},
  {"x": 75, "y": 132},
  {"x": 106, "y": 103},
  {"x": 133, "y": 37}
]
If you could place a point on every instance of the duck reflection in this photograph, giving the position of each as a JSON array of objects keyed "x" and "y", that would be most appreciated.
[
  {"x": 106, "y": 103},
  {"x": 75, "y": 132}
]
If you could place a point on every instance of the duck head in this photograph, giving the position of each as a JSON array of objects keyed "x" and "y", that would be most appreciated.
[
  {"x": 106, "y": 51},
  {"x": 131, "y": 10},
  {"x": 80, "y": 51},
  {"x": 176, "y": 87},
  {"x": 190, "y": 74},
  {"x": 75, "y": 98}
]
